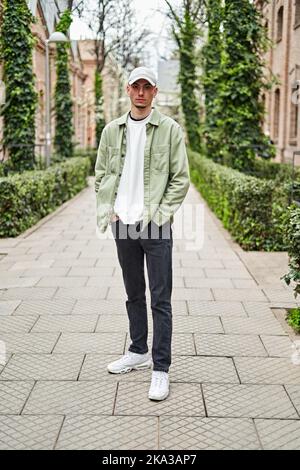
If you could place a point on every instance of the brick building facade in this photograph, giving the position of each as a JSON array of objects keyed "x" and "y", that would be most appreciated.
[
  {"x": 82, "y": 70},
  {"x": 282, "y": 121}
]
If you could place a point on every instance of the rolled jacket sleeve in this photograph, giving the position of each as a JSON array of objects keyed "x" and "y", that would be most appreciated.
[{"x": 100, "y": 165}]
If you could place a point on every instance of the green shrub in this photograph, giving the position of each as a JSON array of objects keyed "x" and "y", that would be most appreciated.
[
  {"x": 90, "y": 153},
  {"x": 26, "y": 198},
  {"x": 254, "y": 210},
  {"x": 274, "y": 170},
  {"x": 293, "y": 241},
  {"x": 293, "y": 319}
]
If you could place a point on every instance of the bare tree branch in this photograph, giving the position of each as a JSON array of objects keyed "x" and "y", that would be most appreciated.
[{"x": 172, "y": 14}]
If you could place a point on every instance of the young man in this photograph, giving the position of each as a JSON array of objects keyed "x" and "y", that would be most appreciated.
[{"x": 142, "y": 177}]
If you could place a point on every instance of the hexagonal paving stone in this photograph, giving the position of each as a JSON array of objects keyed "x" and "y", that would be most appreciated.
[
  {"x": 108, "y": 323},
  {"x": 86, "y": 271},
  {"x": 278, "y": 346},
  {"x": 203, "y": 369},
  {"x": 29, "y": 432},
  {"x": 71, "y": 397},
  {"x": 193, "y": 324},
  {"x": 67, "y": 323},
  {"x": 182, "y": 293},
  {"x": 179, "y": 307},
  {"x": 99, "y": 307},
  {"x": 182, "y": 344},
  {"x": 278, "y": 434},
  {"x": 251, "y": 401},
  {"x": 184, "y": 433},
  {"x": 102, "y": 343},
  {"x": 229, "y": 345},
  {"x": 14, "y": 324},
  {"x": 109, "y": 432},
  {"x": 7, "y": 307},
  {"x": 29, "y": 342},
  {"x": 95, "y": 368},
  {"x": 42, "y": 367},
  {"x": 258, "y": 309},
  {"x": 279, "y": 295},
  {"x": 62, "y": 281},
  {"x": 239, "y": 294},
  {"x": 254, "y": 326},
  {"x": 183, "y": 400},
  {"x": 81, "y": 292},
  {"x": 220, "y": 308},
  {"x": 294, "y": 394},
  {"x": 28, "y": 293},
  {"x": 267, "y": 370},
  {"x": 45, "y": 307},
  {"x": 13, "y": 396}
]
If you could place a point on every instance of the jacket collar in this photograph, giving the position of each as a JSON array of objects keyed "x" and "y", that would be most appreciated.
[{"x": 155, "y": 118}]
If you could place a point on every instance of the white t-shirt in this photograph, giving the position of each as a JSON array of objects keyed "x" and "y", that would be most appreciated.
[{"x": 129, "y": 204}]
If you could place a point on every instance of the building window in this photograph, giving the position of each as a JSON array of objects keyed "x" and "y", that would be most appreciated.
[
  {"x": 294, "y": 120},
  {"x": 263, "y": 106},
  {"x": 267, "y": 26},
  {"x": 297, "y": 13},
  {"x": 279, "y": 24},
  {"x": 276, "y": 113}
]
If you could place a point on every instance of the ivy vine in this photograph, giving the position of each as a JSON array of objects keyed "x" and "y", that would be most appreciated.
[
  {"x": 99, "y": 102},
  {"x": 63, "y": 101},
  {"x": 16, "y": 45},
  {"x": 212, "y": 75},
  {"x": 188, "y": 81},
  {"x": 186, "y": 30},
  {"x": 234, "y": 80}
]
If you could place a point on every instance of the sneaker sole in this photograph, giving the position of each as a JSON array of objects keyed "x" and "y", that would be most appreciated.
[
  {"x": 125, "y": 370},
  {"x": 160, "y": 398}
]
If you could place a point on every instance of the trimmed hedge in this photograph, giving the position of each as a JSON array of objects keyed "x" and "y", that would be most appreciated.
[
  {"x": 274, "y": 171},
  {"x": 27, "y": 197},
  {"x": 252, "y": 209},
  {"x": 293, "y": 240},
  {"x": 90, "y": 153}
]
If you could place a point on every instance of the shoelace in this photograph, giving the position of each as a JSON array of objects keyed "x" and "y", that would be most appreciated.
[
  {"x": 159, "y": 379},
  {"x": 127, "y": 355}
]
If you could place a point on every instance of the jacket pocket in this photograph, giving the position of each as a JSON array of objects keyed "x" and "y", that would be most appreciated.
[
  {"x": 112, "y": 160},
  {"x": 160, "y": 158}
]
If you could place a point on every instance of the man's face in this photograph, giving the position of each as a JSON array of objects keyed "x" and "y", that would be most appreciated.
[{"x": 141, "y": 93}]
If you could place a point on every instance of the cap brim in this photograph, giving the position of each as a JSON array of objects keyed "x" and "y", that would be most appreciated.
[{"x": 139, "y": 77}]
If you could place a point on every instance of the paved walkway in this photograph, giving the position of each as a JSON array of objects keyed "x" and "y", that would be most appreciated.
[{"x": 62, "y": 318}]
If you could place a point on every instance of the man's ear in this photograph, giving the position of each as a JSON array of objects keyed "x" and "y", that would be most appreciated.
[{"x": 127, "y": 88}]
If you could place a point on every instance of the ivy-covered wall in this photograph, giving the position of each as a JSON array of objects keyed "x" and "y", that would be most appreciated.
[
  {"x": 233, "y": 83},
  {"x": 16, "y": 45},
  {"x": 63, "y": 100}
]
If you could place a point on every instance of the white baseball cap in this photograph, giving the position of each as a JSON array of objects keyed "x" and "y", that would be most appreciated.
[{"x": 142, "y": 72}]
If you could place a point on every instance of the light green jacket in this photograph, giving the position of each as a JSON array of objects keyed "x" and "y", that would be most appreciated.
[{"x": 166, "y": 169}]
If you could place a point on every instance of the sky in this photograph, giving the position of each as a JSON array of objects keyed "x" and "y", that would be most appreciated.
[{"x": 150, "y": 15}]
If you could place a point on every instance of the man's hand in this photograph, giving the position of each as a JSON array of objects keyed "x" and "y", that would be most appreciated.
[{"x": 114, "y": 217}]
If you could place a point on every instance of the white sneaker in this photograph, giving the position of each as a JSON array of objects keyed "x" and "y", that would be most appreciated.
[
  {"x": 159, "y": 388},
  {"x": 130, "y": 361}
]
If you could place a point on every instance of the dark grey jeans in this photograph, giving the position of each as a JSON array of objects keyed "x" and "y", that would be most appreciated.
[{"x": 156, "y": 243}]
